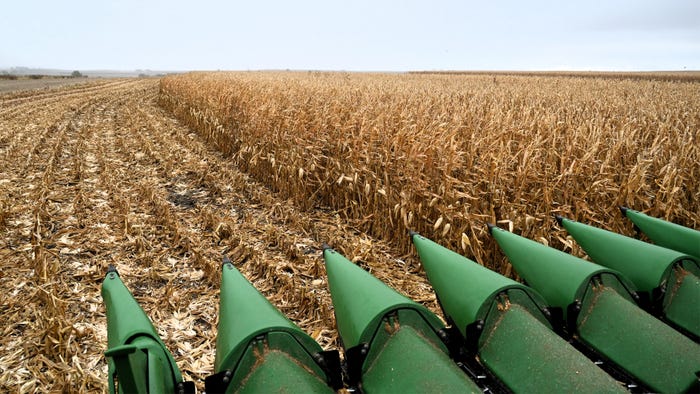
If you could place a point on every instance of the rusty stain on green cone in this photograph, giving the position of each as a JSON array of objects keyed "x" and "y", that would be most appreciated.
[
  {"x": 559, "y": 277},
  {"x": 645, "y": 264},
  {"x": 669, "y": 279},
  {"x": 609, "y": 321},
  {"x": 400, "y": 349},
  {"x": 515, "y": 340},
  {"x": 258, "y": 347}
]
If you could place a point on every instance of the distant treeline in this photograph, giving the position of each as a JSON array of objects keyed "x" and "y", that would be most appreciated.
[
  {"x": 13, "y": 77},
  {"x": 681, "y": 76}
]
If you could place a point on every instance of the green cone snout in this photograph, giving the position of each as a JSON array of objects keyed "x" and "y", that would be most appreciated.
[
  {"x": 669, "y": 280},
  {"x": 506, "y": 323},
  {"x": 138, "y": 358},
  {"x": 666, "y": 234},
  {"x": 257, "y": 348},
  {"x": 601, "y": 312},
  {"x": 392, "y": 344}
]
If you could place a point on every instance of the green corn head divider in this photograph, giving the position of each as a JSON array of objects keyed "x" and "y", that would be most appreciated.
[
  {"x": 498, "y": 328},
  {"x": 139, "y": 362},
  {"x": 258, "y": 350},
  {"x": 392, "y": 344},
  {"x": 599, "y": 307},
  {"x": 506, "y": 324},
  {"x": 666, "y": 234},
  {"x": 669, "y": 281}
]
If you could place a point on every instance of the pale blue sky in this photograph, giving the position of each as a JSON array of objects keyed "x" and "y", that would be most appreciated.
[{"x": 352, "y": 35}]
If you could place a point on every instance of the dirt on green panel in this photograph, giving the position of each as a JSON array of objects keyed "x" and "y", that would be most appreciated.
[
  {"x": 657, "y": 355},
  {"x": 529, "y": 357},
  {"x": 409, "y": 363}
]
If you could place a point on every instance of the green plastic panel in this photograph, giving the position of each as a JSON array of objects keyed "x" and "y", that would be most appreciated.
[
  {"x": 407, "y": 362},
  {"x": 682, "y": 300},
  {"x": 667, "y": 234},
  {"x": 405, "y": 352},
  {"x": 142, "y": 367},
  {"x": 120, "y": 303},
  {"x": 660, "y": 357},
  {"x": 646, "y": 265},
  {"x": 137, "y": 355},
  {"x": 272, "y": 344},
  {"x": 361, "y": 300},
  {"x": 277, "y": 372},
  {"x": 560, "y": 277},
  {"x": 529, "y": 358},
  {"x": 244, "y": 315},
  {"x": 465, "y": 289}
]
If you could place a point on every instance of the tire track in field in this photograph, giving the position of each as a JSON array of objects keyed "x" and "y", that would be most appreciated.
[
  {"x": 27, "y": 123},
  {"x": 21, "y": 128},
  {"x": 37, "y": 220},
  {"x": 156, "y": 263},
  {"x": 284, "y": 238},
  {"x": 48, "y": 185},
  {"x": 30, "y": 102}
]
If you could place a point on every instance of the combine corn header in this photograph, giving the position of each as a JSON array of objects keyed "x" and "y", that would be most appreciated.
[{"x": 628, "y": 321}]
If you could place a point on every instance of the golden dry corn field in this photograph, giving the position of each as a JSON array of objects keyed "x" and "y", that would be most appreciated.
[
  {"x": 445, "y": 154},
  {"x": 161, "y": 178}
]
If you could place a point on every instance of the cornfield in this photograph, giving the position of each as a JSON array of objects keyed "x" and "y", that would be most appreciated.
[
  {"x": 263, "y": 167},
  {"x": 98, "y": 174},
  {"x": 445, "y": 154}
]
